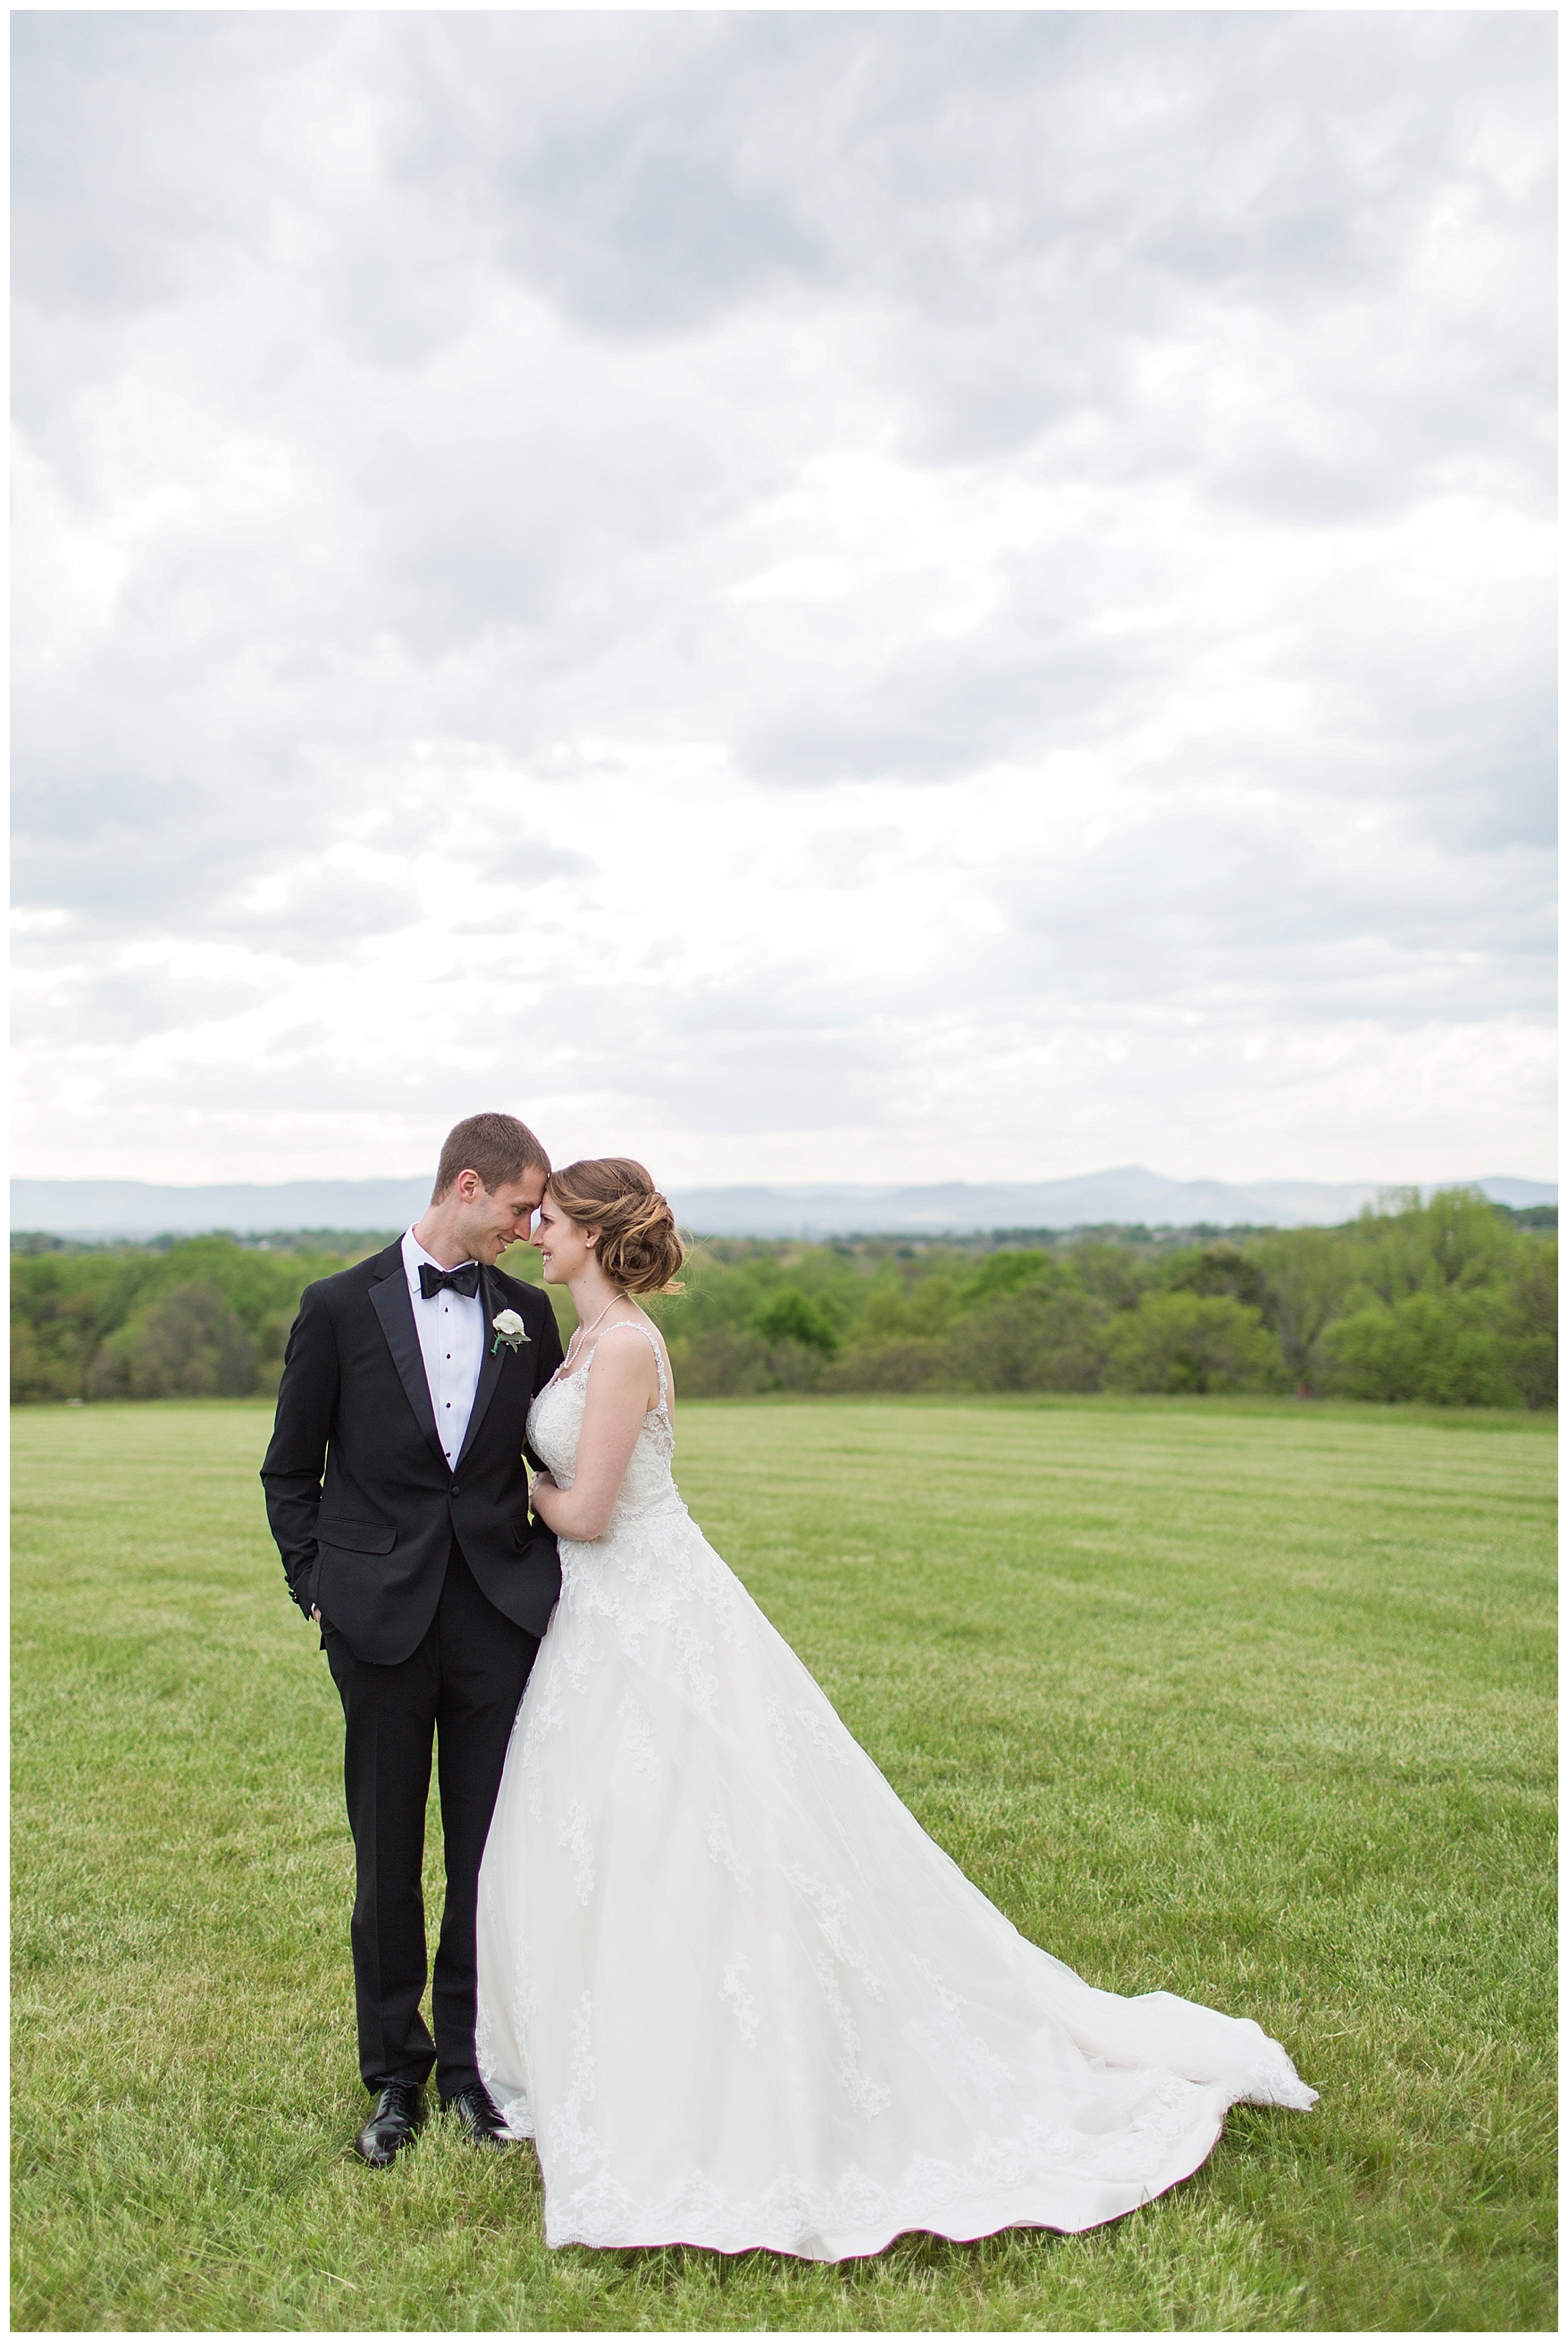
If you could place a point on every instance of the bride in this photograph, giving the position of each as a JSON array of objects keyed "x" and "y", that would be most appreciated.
[{"x": 726, "y": 1982}]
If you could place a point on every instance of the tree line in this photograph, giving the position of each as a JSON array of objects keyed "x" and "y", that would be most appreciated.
[{"x": 1452, "y": 1302}]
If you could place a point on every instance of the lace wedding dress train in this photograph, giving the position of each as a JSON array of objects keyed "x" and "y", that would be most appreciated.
[{"x": 730, "y": 1985}]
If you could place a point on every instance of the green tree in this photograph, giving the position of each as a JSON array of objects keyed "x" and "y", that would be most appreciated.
[
  {"x": 1007, "y": 1270},
  {"x": 720, "y": 1362},
  {"x": 1457, "y": 1240},
  {"x": 1114, "y": 1273},
  {"x": 895, "y": 1365},
  {"x": 1305, "y": 1274},
  {"x": 898, "y": 1308},
  {"x": 1191, "y": 1342},
  {"x": 1032, "y": 1340},
  {"x": 788, "y": 1315},
  {"x": 1440, "y": 1347},
  {"x": 54, "y": 1337},
  {"x": 1223, "y": 1268},
  {"x": 1467, "y": 1242},
  {"x": 188, "y": 1345},
  {"x": 1529, "y": 1323}
]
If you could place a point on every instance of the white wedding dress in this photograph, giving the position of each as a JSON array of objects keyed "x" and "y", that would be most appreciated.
[{"x": 729, "y": 1986}]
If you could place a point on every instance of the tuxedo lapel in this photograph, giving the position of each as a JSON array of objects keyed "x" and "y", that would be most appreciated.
[
  {"x": 389, "y": 1299},
  {"x": 490, "y": 1301}
]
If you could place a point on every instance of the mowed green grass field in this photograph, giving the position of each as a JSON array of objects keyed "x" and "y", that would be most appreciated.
[{"x": 1245, "y": 1700}]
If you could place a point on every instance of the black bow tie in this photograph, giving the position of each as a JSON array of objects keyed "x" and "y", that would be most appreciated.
[{"x": 463, "y": 1280}]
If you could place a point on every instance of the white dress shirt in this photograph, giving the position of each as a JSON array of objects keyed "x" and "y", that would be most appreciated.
[{"x": 451, "y": 1343}]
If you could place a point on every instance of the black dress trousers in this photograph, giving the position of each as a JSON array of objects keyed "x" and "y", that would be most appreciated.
[{"x": 459, "y": 1690}]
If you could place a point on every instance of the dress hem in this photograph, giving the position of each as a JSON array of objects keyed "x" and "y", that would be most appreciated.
[{"x": 1025, "y": 2210}]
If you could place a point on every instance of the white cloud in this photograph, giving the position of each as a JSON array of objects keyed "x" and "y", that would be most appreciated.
[{"x": 817, "y": 597}]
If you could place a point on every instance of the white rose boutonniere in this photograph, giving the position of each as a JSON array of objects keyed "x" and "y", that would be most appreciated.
[{"x": 509, "y": 1328}]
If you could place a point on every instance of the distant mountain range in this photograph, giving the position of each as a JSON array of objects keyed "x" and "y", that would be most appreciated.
[
  {"x": 130, "y": 1207},
  {"x": 1121, "y": 1197}
]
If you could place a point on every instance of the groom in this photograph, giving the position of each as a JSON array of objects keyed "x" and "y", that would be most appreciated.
[{"x": 396, "y": 1491}]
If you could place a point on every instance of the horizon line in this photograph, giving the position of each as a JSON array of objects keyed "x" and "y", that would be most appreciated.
[{"x": 1015, "y": 1179}]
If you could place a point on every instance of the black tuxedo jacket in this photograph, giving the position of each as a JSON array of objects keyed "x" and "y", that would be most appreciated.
[{"x": 358, "y": 1492}]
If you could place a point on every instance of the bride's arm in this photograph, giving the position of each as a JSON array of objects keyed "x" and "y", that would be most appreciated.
[{"x": 622, "y": 1387}]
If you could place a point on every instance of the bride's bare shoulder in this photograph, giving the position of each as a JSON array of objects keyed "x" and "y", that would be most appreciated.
[{"x": 640, "y": 1324}]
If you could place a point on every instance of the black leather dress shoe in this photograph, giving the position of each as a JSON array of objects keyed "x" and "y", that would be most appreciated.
[
  {"x": 399, "y": 2113},
  {"x": 476, "y": 2111}
]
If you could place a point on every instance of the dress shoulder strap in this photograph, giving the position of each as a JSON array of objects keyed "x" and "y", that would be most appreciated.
[{"x": 641, "y": 1326}]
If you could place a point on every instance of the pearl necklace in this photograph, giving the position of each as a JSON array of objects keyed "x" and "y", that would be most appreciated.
[{"x": 582, "y": 1332}]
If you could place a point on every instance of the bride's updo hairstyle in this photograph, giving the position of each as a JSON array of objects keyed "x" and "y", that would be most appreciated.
[{"x": 638, "y": 1248}]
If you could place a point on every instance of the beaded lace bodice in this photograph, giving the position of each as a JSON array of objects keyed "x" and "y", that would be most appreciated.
[{"x": 556, "y": 1426}]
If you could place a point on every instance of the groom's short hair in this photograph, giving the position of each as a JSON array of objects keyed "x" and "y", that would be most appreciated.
[{"x": 497, "y": 1146}]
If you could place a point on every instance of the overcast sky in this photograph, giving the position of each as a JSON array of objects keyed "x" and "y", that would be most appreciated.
[{"x": 799, "y": 595}]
